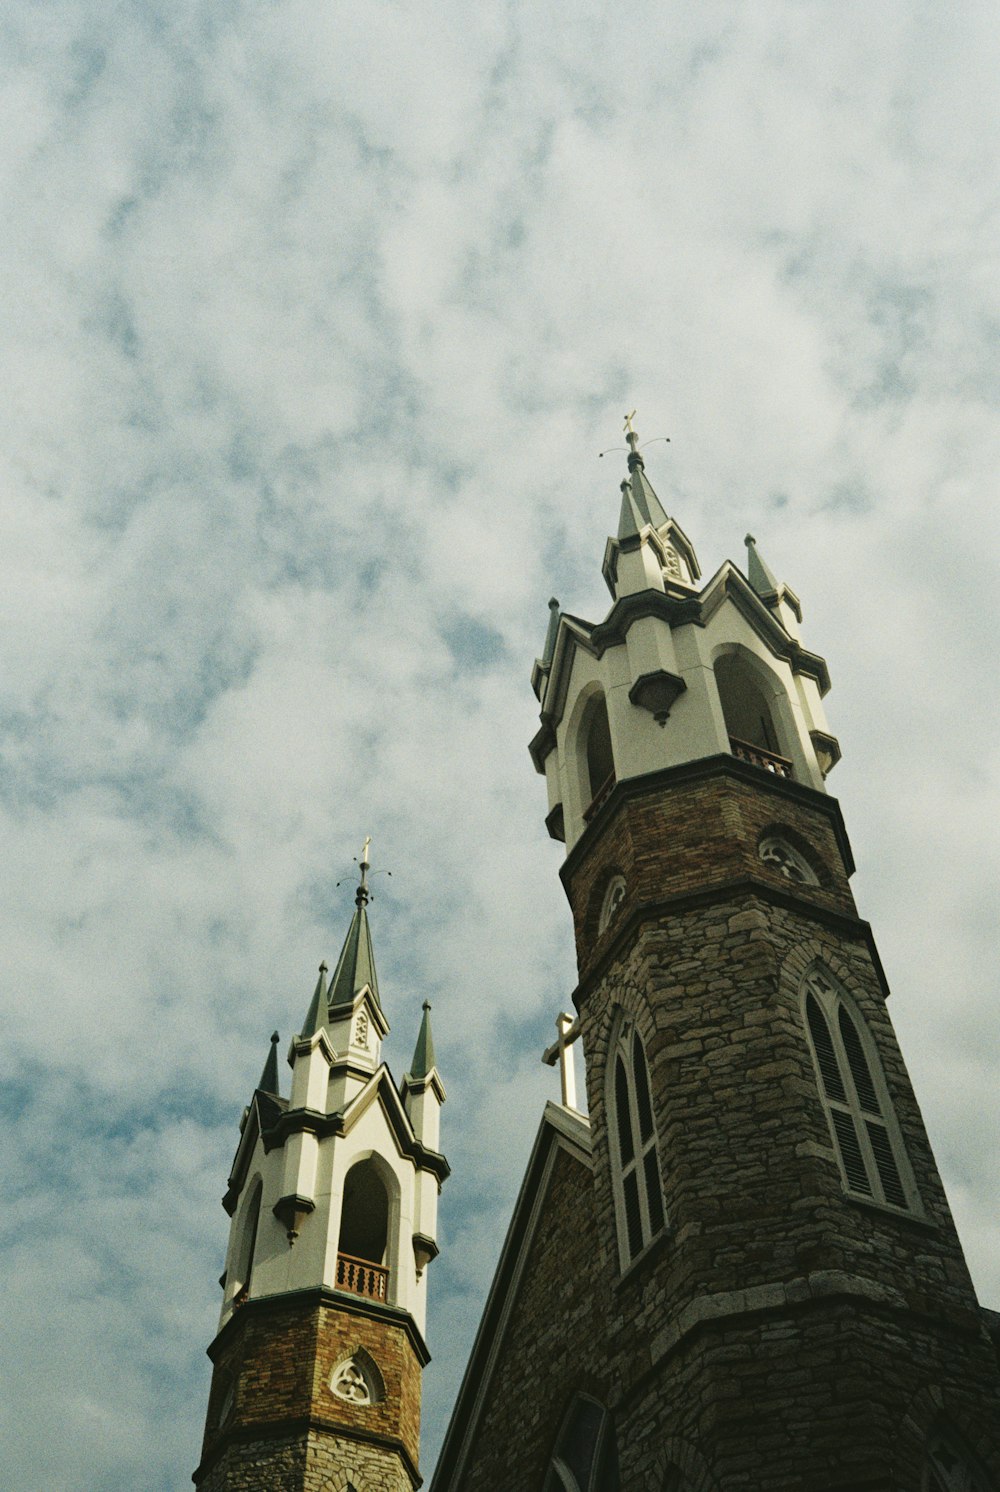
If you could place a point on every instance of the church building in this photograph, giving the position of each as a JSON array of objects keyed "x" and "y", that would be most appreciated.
[
  {"x": 734, "y": 1268},
  {"x": 739, "y": 1269}
]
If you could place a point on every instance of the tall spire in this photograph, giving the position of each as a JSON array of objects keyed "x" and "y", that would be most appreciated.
[
  {"x": 269, "y": 1077},
  {"x": 356, "y": 965},
  {"x": 640, "y": 504}
]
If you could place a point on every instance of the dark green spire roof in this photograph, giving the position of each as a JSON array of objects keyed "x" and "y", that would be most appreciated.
[
  {"x": 269, "y": 1077},
  {"x": 640, "y": 504},
  {"x": 758, "y": 573},
  {"x": 318, "y": 1013},
  {"x": 356, "y": 965},
  {"x": 423, "y": 1056}
]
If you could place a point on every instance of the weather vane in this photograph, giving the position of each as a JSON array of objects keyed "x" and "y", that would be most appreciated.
[
  {"x": 631, "y": 435},
  {"x": 364, "y": 865}
]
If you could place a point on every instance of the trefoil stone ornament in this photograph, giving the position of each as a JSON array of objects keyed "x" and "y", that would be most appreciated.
[{"x": 350, "y": 1383}]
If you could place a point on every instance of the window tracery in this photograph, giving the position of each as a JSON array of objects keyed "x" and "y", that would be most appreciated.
[
  {"x": 780, "y": 855},
  {"x": 585, "y": 1458},
  {"x": 613, "y": 898},
  {"x": 864, "y": 1128},
  {"x": 948, "y": 1470},
  {"x": 357, "y": 1379}
]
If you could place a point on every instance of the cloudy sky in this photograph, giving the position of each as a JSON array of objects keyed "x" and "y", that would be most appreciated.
[{"x": 314, "y": 319}]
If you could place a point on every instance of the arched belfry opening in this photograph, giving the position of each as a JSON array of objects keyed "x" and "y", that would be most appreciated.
[
  {"x": 364, "y": 1218},
  {"x": 599, "y": 754},
  {"x": 362, "y": 1247},
  {"x": 238, "y": 1283},
  {"x": 750, "y": 723}
]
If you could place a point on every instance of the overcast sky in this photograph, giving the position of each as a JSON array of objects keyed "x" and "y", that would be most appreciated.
[{"x": 314, "y": 320}]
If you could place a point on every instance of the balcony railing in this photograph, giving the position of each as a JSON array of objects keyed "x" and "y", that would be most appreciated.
[
  {"x": 362, "y": 1277},
  {"x": 758, "y": 757},
  {"x": 603, "y": 792}
]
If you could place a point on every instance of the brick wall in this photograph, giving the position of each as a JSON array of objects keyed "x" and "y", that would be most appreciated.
[{"x": 272, "y": 1413}]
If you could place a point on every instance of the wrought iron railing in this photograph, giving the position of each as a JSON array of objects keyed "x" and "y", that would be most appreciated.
[
  {"x": 603, "y": 792},
  {"x": 757, "y": 756},
  {"x": 362, "y": 1277}
]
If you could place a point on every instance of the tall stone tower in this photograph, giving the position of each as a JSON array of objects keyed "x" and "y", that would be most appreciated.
[
  {"x": 333, "y": 1198},
  {"x": 742, "y": 1273}
]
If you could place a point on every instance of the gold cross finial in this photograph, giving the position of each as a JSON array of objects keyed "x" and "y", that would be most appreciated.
[{"x": 628, "y": 423}]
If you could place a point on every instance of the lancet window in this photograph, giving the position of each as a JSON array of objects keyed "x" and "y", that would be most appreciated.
[
  {"x": 862, "y": 1123},
  {"x": 634, "y": 1153},
  {"x": 585, "y": 1458},
  {"x": 600, "y": 760},
  {"x": 238, "y": 1278}
]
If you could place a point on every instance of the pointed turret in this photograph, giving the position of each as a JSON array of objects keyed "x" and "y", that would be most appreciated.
[
  {"x": 269, "y": 1077},
  {"x": 780, "y": 600},
  {"x": 356, "y": 965},
  {"x": 423, "y": 1055},
  {"x": 650, "y": 551},
  {"x": 318, "y": 1012},
  {"x": 357, "y": 1022}
]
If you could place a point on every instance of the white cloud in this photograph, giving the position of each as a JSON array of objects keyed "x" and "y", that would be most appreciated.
[{"x": 315, "y": 324}]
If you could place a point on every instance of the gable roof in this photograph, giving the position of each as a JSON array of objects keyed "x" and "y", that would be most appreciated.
[{"x": 561, "y": 1129}]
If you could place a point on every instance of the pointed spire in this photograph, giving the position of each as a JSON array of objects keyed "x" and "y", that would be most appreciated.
[
  {"x": 550, "y": 636},
  {"x": 269, "y": 1077},
  {"x": 758, "y": 573},
  {"x": 356, "y": 965},
  {"x": 423, "y": 1055},
  {"x": 640, "y": 504},
  {"x": 318, "y": 1013}
]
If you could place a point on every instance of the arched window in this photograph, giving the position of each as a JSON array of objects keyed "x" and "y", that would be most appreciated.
[
  {"x": 635, "y": 1164},
  {"x": 613, "y": 897},
  {"x": 862, "y": 1123},
  {"x": 585, "y": 1458},
  {"x": 364, "y": 1232},
  {"x": 599, "y": 755},
  {"x": 357, "y": 1379},
  {"x": 787, "y": 861},
  {"x": 753, "y": 734},
  {"x": 238, "y": 1278}
]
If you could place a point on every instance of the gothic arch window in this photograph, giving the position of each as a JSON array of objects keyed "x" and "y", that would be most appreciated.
[
  {"x": 776, "y": 852},
  {"x": 366, "y": 1242},
  {"x": 613, "y": 897},
  {"x": 598, "y": 753},
  {"x": 750, "y": 723},
  {"x": 635, "y": 1162},
  {"x": 865, "y": 1133},
  {"x": 585, "y": 1458},
  {"x": 238, "y": 1277},
  {"x": 357, "y": 1379}
]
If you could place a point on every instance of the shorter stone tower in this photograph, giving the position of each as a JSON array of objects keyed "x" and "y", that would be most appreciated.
[{"x": 333, "y": 1198}]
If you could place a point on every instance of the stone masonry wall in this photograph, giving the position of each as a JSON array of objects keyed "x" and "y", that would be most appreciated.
[
  {"x": 780, "y": 1335},
  {"x": 735, "y": 1304},
  {"x": 556, "y": 1343}
]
